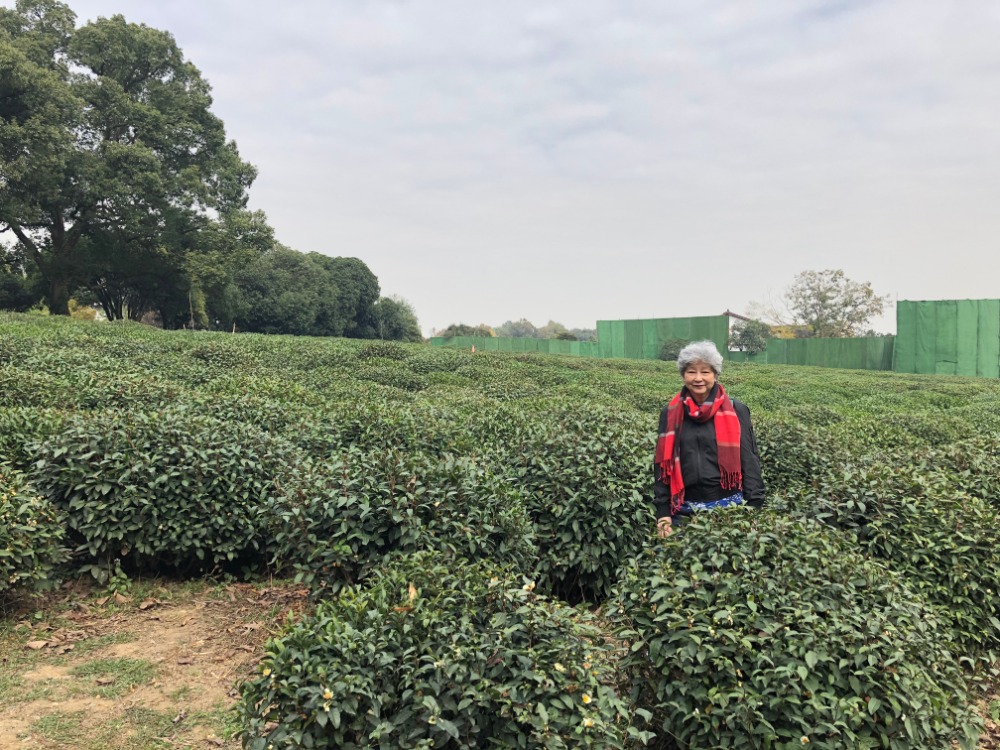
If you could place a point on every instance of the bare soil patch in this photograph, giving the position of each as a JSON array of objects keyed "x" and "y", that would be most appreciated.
[{"x": 156, "y": 671}]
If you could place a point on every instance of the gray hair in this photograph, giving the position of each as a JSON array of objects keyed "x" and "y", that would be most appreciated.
[{"x": 700, "y": 351}]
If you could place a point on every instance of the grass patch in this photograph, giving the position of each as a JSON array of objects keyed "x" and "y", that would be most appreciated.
[
  {"x": 222, "y": 720},
  {"x": 120, "y": 674},
  {"x": 136, "y": 728},
  {"x": 63, "y": 728}
]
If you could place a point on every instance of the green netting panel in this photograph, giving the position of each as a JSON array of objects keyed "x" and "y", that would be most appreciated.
[
  {"x": 650, "y": 340},
  {"x": 590, "y": 349},
  {"x": 795, "y": 352},
  {"x": 777, "y": 351},
  {"x": 874, "y": 353},
  {"x": 681, "y": 328},
  {"x": 735, "y": 355},
  {"x": 506, "y": 345},
  {"x": 904, "y": 354},
  {"x": 988, "y": 350},
  {"x": 945, "y": 337},
  {"x": 967, "y": 337},
  {"x": 644, "y": 339},
  {"x": 618, "y": 338},
  {"x": 838, "y": 354},
  {"x": 878, "y": 353},
  {"x": 708, "y": 328},
  {"x": 604, "y": 336},
  {"x": 438, "y": 341},
  {"x": 491, "y": 344},
  {"x": 664, "y": 332},
  {"x": 926, "y": 337},
  {"x": 633, "y": 339}
]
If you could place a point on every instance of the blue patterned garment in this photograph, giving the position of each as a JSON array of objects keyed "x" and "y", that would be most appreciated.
[{"x": 690, "y": 507}]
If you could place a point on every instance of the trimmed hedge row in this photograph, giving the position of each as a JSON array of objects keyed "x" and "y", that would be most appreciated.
[
  {"x": 170, "y": 490},
  {"x": 724, "y": 655},
  {"x": 944, "y": 542},
  {"x": 334, "y": 520},
  {"x": 435, "y": 653}
]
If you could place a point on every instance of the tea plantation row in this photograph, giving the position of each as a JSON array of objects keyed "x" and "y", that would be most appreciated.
[{"x": 477, "y": 527}]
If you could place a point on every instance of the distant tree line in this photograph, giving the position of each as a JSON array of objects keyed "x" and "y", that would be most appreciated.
[
  {"x": 118, "y": 188},
  {"x": 521, "y": 329}
]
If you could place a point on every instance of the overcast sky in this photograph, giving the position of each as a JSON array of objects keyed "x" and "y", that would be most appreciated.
[{"x": 613, "y": 159}]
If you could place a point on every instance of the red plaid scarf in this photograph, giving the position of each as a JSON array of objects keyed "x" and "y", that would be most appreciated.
[{"x": 718, "y": 408}]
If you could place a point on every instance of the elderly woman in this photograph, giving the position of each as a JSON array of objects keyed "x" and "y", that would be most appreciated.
[{"x": 706, "y": 456}]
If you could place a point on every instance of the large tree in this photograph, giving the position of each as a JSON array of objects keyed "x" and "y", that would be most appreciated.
[
  {"x": 285, "y": 291},
  {"x": 829, "y": 304},
  {"x": 750, "y": 336},
  {"x": 517, "y": 329},
  {"x": 106, "y": 133},
  {"x": 397, "y": 321}
]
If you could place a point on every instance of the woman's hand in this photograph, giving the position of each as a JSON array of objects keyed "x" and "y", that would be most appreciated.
[{"x": 664, "y": 526}]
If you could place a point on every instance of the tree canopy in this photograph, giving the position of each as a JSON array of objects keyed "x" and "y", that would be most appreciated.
[
  {"x": 396, "y": 320},
  {"x": 119, "y": 185},
  {"x": 524, "y": 328},
  {"x": 822, "y": 304},
  {"x": 832, "y": 305},
  {"x": 462, "y": 329},
  {"x": 107, "y": 134},
  {"x": 750, "y": 336}
]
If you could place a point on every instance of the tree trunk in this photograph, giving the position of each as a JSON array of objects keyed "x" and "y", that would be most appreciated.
[{"x": 57, "y": 298}]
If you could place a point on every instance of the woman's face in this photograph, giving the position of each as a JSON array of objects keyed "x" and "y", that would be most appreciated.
[{"x": 699, "y": 378}]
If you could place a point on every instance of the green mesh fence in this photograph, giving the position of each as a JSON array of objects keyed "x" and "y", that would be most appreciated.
[
  {"x": 948, "y": 337},
  {"x": 644, "y": 339},
  {"x": 871, "y": 353},
  {"x": 632, "y": 339}
]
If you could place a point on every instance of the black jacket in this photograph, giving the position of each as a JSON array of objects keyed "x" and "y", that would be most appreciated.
[{"x": 699, "y": 454}]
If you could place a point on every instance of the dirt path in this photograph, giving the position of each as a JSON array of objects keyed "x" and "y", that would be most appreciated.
[{"x": 131, "y": 675}]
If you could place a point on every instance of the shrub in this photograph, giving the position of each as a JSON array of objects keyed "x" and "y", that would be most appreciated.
[
  {"x": 946, "y": 543},
  {"x": 437, "y": 654},
  {"x": 31, "y": 536},
  {"x": 751, "y": 629},
  {"x": 671, "y": 349},
  {"x": 586, "y": 479},
  {"x": 168, "y": 490},
  {"x": 793, "y": 454},
  {"x": 383, "y": 350},
  {"x": 20, "y": 427},
  {"x": 378, "y": 424},
  {"x": 337, "y": 519}
]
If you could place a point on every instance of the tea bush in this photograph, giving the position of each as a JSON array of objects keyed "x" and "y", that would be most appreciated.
[
  {"x": 752, "y": 629},
  {"x": 20, "y": 427},
  {"x": 586, "y": 480},
  {"x": 439, "y": 654},
  {"x": 793, "y": 454},
  {"x": 163, "y": 490},
  {"x": 334, "y": 520},
  {"x": 31, "y": 536},
  {"x": 946, "y": 543},
  {"x": 377, "y": 424}
]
